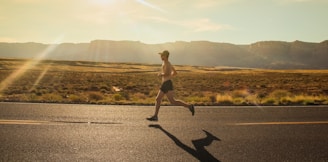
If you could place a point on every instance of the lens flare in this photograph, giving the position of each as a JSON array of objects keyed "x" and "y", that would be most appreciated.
[
  {"x": 147, "y": 4},
  {"x": 44, "y": 72},
  {"x": 27, "y": 66}
]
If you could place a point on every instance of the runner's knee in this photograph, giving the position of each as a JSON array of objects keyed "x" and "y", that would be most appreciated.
[
  {"x": 172, "y": 101},
  {"x": 158, "y": 99}
]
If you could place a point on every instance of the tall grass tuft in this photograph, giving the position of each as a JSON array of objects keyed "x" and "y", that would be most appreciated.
[{"x": 224, "y": 99}]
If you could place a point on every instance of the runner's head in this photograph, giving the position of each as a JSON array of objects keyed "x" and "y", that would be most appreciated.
[{"x": 165, "y": 54}]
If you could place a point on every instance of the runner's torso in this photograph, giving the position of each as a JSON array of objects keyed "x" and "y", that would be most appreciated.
[{"x": 166, "y": 68}]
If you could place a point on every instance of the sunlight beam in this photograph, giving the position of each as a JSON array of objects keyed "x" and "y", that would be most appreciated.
[
  {"x": 147, "y": 4},
  {"x": 28, "y": 65},
  {"x": 44, "y": 72}
]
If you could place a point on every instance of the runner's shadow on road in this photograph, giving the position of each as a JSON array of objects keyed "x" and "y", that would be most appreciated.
[{"x": 200, "y": 152}]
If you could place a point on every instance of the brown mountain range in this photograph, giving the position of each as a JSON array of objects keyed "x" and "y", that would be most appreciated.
[{"x": 266, "y": 54}]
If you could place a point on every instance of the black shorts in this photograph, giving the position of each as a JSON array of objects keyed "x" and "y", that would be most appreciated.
[{"x": 167, "y": 86}]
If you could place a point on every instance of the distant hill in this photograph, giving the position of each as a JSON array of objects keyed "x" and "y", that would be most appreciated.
[{"x": 266, "y": 54}]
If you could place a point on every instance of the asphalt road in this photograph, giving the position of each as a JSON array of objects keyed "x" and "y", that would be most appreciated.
[{"x": 57, "y": 132}]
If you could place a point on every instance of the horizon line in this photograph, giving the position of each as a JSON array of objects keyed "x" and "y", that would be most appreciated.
[{"x": 167, "y": 42}]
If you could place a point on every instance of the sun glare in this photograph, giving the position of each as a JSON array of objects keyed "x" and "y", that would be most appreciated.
[
  {"x": 147, "y": 4},
  {"x": 102, "y": 2},
  {"x": 29, "y": 65}
]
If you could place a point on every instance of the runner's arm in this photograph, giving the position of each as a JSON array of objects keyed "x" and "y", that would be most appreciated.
[{"x": 174, "y": 72}]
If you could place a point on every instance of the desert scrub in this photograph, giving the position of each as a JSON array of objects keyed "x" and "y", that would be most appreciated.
[
  {"x": 95, "y": 96},
  {"x": 138, "y": 96},
  {"x": 74, "y": 98},
  {"x": 240, "y": 93},
  {"x": 31, "y": 97},
  {"x": 307, "y": 100},
  {"x": 49, "y": 97},
  {"x": 290, "y": 99},
  {"x": 117, "y": 97},
  {"x": 139, "y": 83},
  {"x": 197, "y": 99},
  {"x": 269, "y": 101},
  {"x": 224, "y": 99},
  {"x": 280, "y": 96},
  {"x": 239, "y": 101}
]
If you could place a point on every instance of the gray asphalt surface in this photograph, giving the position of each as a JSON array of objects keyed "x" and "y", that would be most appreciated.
[{"x": 57, "y": 132}]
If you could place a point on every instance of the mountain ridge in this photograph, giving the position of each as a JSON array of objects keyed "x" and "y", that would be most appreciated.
[{"x": 262, "y": 54}]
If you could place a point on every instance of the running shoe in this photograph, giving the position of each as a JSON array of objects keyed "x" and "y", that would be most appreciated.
[
  {"x": 192, "y": 109},
  {"x": 153, "y": 118}
]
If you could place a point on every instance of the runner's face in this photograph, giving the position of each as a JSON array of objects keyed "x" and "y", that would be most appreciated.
[{"x": 163, "y": 57}]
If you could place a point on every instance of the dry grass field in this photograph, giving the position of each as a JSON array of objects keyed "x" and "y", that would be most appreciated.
[{"x": 138, "y": 84}]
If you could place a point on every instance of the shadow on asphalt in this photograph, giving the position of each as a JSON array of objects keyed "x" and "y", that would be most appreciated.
[{"x": 200, "y": 152}]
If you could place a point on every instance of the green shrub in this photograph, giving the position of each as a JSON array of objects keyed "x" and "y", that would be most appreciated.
[
  {"x": 118, "y": 97},
  {"x": 285, "y": 100},
  {"x": 279, "y": 94},
  {"x": 269, "y": 101},
  {"x": 239, "y": 101},
  {"x": 240, "y": 93},
  {"x": 304, "y": 99},
  {"x": 139, "y": 96},
  {"x": 212, "y": 98},
  {"x": 125, "y": 95},
  {"x": 197, "y": 99},
  {"x": 76, "y": 98},
  {"x": 49, "y": 97},
  {"x": 224, "y": 99},
  {"x": 95, "y": 96},
  {"x": 31, "y": 97},
  {"x": 253, "y": 99}
]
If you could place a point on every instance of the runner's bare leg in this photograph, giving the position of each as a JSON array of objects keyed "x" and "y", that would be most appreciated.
[
  {"x": 170, "y": 96},
  {"x": 159, "y": 98}
]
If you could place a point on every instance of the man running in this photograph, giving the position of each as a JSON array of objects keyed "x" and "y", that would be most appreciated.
[{"x": 168, "y": 72}]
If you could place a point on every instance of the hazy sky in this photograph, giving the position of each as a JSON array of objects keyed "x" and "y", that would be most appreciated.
[{"x": 158, "y": 21}]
